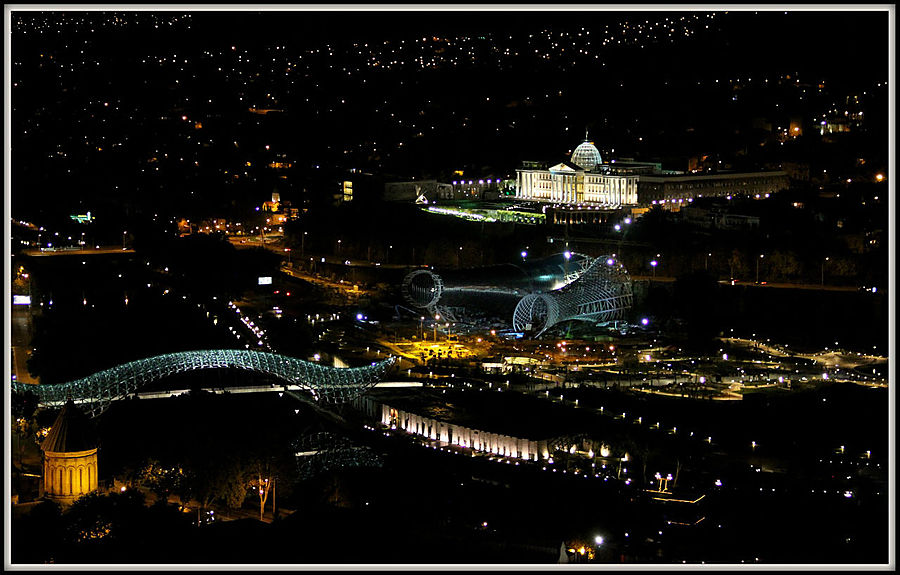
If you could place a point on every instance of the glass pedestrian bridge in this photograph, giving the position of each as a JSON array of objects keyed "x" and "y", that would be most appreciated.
[{"x": 96, "y": 392}]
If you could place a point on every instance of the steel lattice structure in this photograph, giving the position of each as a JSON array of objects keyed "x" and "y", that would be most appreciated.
[
  {"x": 324, "y": 451},
  {"x": 601, "y": 293},
  {"x": 96, "y": 392},
  {"x": 472, "y": 287}
]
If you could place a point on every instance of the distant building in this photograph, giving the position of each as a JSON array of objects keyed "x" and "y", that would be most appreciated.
[
  {"x": 357, "y": 186},
  {"x": 675, "y": 191},
  {"x": 274, "y": 204},
  {"x": 587, "y": 183},
  {"x": 418, "y": 191},
  {"x": 491, "y": 188},
  {"x": 584, "y": 180},
  {"x": 70, "y": 456},
  {"x": 281, "y": 211},
  {"x": 798, "y": 171},
  {"x": 718, "y": 217}
]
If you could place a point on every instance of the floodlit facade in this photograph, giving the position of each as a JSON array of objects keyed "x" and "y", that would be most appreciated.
[
  {"x": 453, "y": 434},
  {"x": 584, "y": 180},
  {"x": 70, "y": 456}
]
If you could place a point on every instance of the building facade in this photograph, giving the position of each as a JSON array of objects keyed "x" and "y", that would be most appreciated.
[
  {"x": 453, "y": 434},
  {"x": 584, "y": 180},
  {"x": 70, "y": 456},
  {"x": 674, "y": 191}
]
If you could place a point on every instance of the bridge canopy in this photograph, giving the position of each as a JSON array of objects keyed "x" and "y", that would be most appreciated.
[{"x": 96, "y": 392}]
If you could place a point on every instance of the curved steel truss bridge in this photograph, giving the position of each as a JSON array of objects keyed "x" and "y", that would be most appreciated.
[
  {"x": 601, "y": 293},
  {"x": 96, "y": 392},
  {"x": 324, "y": 452}
]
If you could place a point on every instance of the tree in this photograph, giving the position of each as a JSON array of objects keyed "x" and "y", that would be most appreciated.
[
  {"x": 96, "y": 516},
  {"x": 737, "y": 264},
  {"x": 783, "y": 266},
  {"x": 262, "y": 483},
  {"x": 160, "y": 479},
  {"x": 677, "y": 471},
  {"x": 24, "y": 404},
  {"x": 234, "y": 486},
  {"x": 207, "y": 479},
  {"x": 38, "y": 536}
]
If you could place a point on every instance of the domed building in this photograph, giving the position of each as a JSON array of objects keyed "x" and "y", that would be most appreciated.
[
  {"x": 584, "y": 180},
  {"x": 70, "y": 456},
  {"x": 586, "y": 156}
]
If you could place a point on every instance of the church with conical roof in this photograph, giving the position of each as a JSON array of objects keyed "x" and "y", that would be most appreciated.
[
  {"x": 70, "y": 456},
  {"x": 583, "y": 180}
]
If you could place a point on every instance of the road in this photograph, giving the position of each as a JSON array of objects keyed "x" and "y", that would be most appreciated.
[
  {"x": 21, "y": 343},
  {"x": 818, "y": 287},
  {"x": 349, "y": 288},
  {"x": 102, "y": 250}
]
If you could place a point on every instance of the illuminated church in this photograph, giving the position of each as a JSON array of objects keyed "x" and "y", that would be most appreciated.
[
  {"x": 584, "y": 180},
  {"x": 70, "y": 456}
]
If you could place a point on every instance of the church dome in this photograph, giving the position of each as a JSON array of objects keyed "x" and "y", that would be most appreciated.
[
  {"x": 72, "y": 431},
  {"x": 586, "y": 156}
]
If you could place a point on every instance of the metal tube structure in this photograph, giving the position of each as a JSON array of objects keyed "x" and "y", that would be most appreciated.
[
  {"x": 602, "y": 293},
  {"x": 490, "y": 286}
]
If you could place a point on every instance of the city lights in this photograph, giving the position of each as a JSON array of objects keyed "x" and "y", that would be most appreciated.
[{"x": 510, "y": 178}]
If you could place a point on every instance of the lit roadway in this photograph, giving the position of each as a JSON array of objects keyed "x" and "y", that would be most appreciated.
[
  {"x": 738, "y": 283},
  {"x": 21, "y": 342},
  {"x": 348, "y": 287},
  {"x": 277, "y": 246},
  {"x": 101, "y": 250}
]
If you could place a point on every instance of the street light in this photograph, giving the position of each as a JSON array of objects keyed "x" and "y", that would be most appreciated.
[
  {"x": 823, "y": 270},
  {"x": 653, "y": 264},
  {"x": 761, "y": 256},
  {"x": 706, "y": 263},
  {"x": 437, "y": 317},
  {"x": 662, "y": 479}
]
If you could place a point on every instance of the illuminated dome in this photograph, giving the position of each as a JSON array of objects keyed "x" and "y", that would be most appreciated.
[{"x": 586, "y": 156}]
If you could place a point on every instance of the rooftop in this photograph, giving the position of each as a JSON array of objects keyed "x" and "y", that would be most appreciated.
[{"x": 72, "y": 431}]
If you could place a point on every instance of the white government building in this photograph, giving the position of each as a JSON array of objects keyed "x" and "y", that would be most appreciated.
[{"x": 584, "y": 180}]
